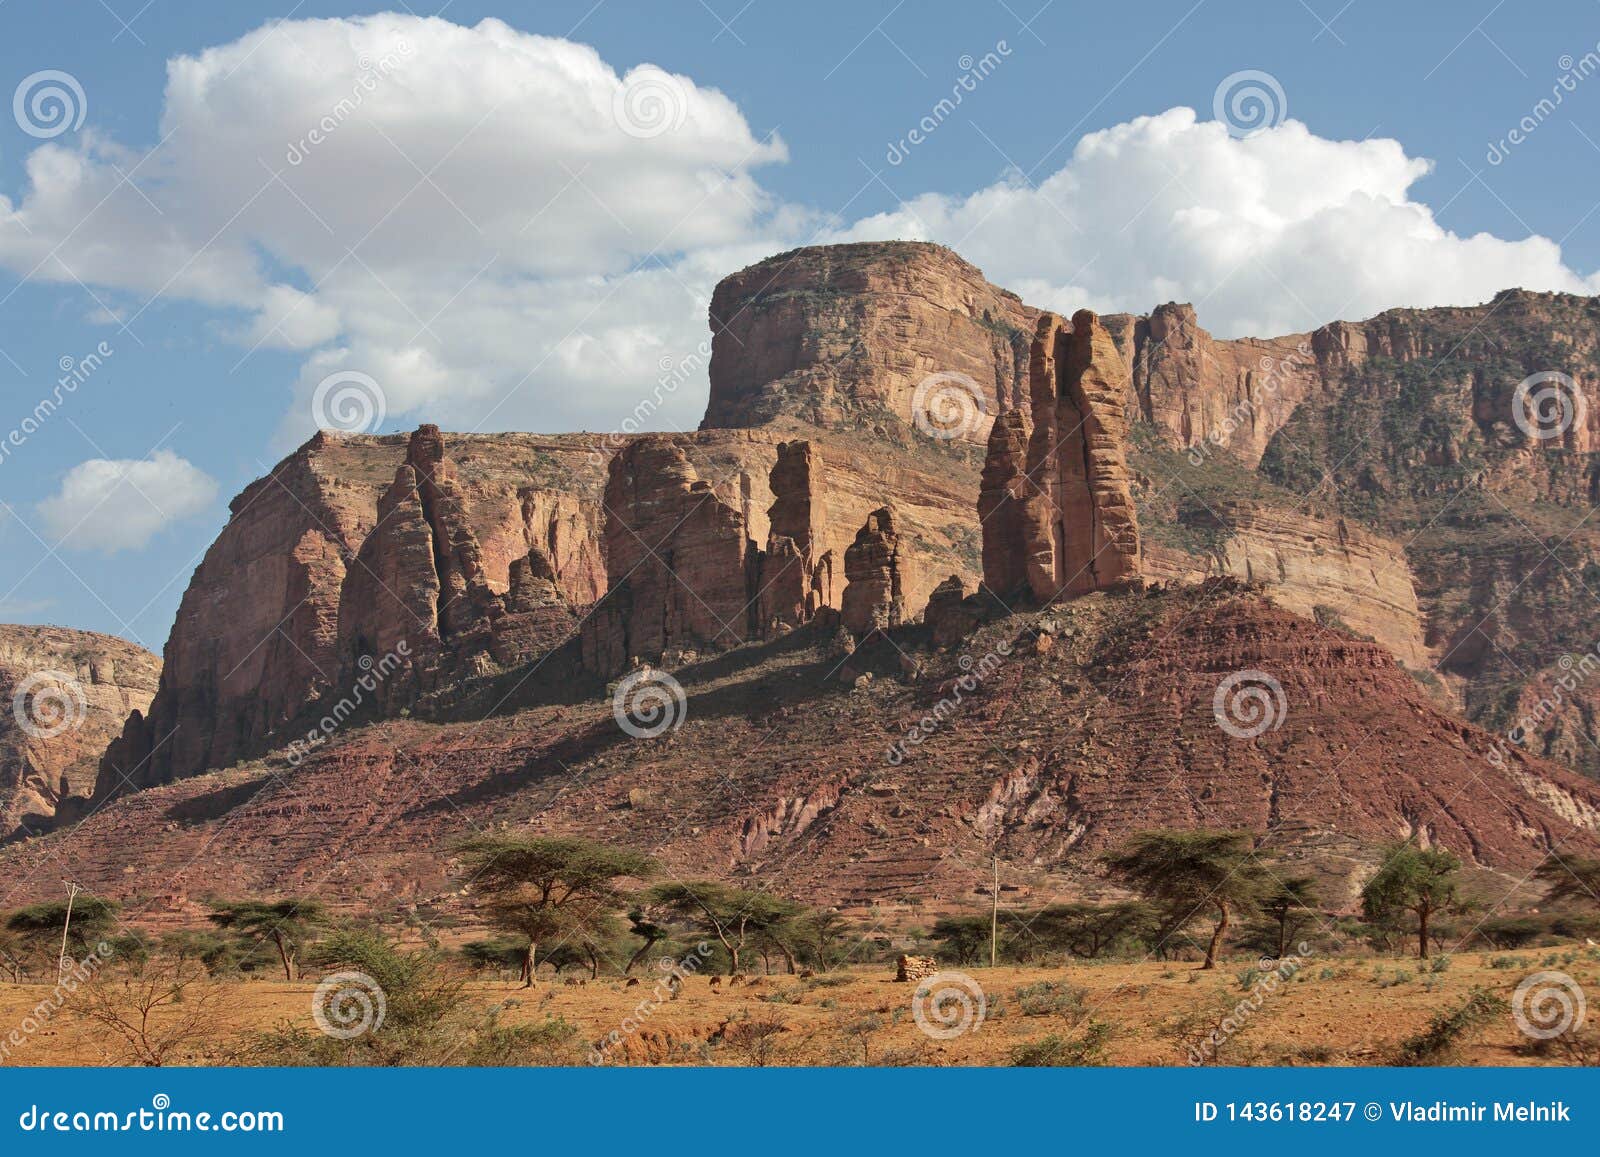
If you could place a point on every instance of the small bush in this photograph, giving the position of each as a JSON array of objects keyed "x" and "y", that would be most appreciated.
[
  {"x": 1055, "y": 1050},
  {"x": 1450, "y": 1029}
]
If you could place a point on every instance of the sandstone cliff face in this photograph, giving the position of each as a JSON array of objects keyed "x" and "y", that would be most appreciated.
[
  {"x": 1199, "y": 389},
  {"x": 1329, "y": 570},
  {"x": 63, "y": 696},
  {"x": 1066, "y": 522},
  {"x": 842, "y": 335},
  {"x": 257, "y": 638},
  {"x": 874, "y": 573}
]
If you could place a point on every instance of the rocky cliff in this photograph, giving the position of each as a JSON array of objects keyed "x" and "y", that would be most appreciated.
[
  {"x": 1370, "y": 475},
  {"x": 257, "y": 641},
  {"x": 844, "y": 335},
  {"x": 63, "y": 695}
]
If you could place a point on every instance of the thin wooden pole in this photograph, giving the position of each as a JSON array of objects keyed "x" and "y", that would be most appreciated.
[
  {"x": 72, "y": 892},
  {"x": 994, "y": 916}
]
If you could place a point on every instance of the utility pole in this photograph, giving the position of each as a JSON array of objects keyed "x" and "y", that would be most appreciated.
[
  {"x": 72, "y": 894},
  {"x": 994, "y": 916}
]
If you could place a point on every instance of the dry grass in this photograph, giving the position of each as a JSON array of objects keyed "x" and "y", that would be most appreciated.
[{"x": 1341, "y": 1011}]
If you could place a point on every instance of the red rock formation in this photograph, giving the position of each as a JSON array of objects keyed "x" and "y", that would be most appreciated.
[
  {"x": 1002, "y": 505},
  {"x": 680, "y": 561},
  {"x": 874, "y": 572},
  {"x": 796, "y": 573},
  {"x": 417, "y": 603},
  {"x": 63, "y": 696},
  {"x": 842, "y": 335},
  {"x": 1071, "y": 512},
  {"x": 946, "y": 615},
  {"x": 257, "y": 638}
]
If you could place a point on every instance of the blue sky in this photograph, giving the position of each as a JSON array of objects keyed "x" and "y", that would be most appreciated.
[{"x": 493, "y": 243}]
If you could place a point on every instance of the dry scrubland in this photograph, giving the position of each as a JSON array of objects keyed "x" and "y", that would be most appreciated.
[{"x": 1343, "y": 1010}]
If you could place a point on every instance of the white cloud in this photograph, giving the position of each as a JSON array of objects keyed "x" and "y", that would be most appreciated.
[
  {"x": 120, "y": 504},
  {"x": 507, "y": 233},
  {"x": 459, "y": 212},
  {"x": 1268, "y": 234}
]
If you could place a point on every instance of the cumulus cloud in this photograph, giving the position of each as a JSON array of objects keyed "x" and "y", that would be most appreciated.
[
  {"x": 1267, "y": 234},
  {"x": 109, "y": 504},
  {"x": 507, "y": 232},
  {"x": 492, "y": 224}
]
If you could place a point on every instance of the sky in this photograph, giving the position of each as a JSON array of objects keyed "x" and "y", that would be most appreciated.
[{"x": 224, "y": 225}]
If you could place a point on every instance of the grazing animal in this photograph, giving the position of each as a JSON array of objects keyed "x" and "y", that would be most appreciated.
[{"x": 632, "y": 980}]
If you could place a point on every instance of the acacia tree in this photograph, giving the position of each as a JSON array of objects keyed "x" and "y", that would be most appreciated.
[
  {"x": 1189, "y": 872},
  {"x": 646, "y": 929},
  {"x": 1569, "y": 878},
  {"x": 542, "y": 887},
  {"x": 1416, "y": 880},
  {"x": 289, "y": 924},
  {"x": 730, "y": 914},
  {"x": 1087, "y": 930},
  {"x": 1291, "y": 904},
  {"x": 966, "y": 937},
  {"x": 39, "y": 927}
]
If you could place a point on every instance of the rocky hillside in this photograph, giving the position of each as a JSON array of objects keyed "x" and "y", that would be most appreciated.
[
  {"x": 886, "y": 429},
  {"x": 893, "y": 772},
  {"x": 64, "y": 695}
]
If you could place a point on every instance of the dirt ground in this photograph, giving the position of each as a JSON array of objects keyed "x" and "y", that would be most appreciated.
[{"x": 1338, "y": 1011}]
